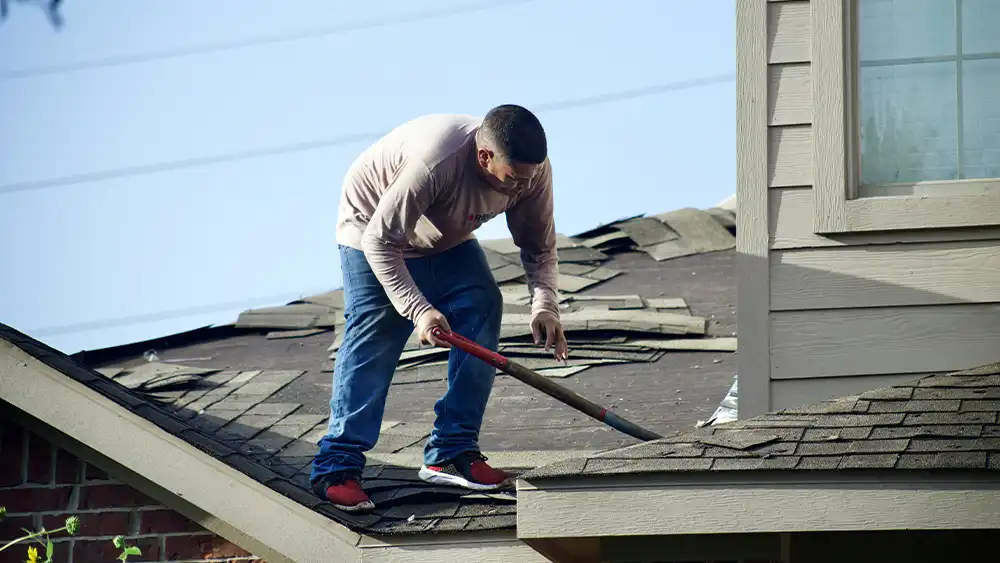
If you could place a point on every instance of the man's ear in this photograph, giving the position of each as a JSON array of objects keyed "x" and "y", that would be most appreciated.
[{"x": 483, "y": 155}]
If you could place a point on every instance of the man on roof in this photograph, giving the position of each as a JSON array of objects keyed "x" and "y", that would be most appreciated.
[{"x": 410, "y": 261}]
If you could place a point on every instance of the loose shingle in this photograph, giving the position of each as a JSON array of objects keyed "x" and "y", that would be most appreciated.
[
  {"x": 945, "y": 460},
  {"x": 716, "y": 452},
  {"x": 206, "y": 443},
  {"x": 646, "y": 231},
  {"x": 827, "y": 434},
  {"x": 945, "y": 430},
  {"x": 653, "y": 449},
  {"x": 992, "y": 406},
  {"x": 961, "y": 460},
  {"x": 848, "y": 420},
  {"x": 274, "y": 409},
  {"x": 959, "y": 381},
  {"x": 956, "y": 393},
  {"x": 942, "y": 444},
  {"x": 425, "y": 511},
  {"x": 612, "y": 467},
  {"x": 869, "y": 461},
  {"x": 296, "y": 493},
  {"x": 922, "y": 419},
  {"x": 889, "y": 393},
  {"x": 991, "y": 430},
  {"x": 739, "y": 440},
  {"x": 878, "y": 446},
  {"x": 754, "y": 464},
  {"x": 844, "y": 405},
  {"x": 819, "y": 463},
  {"x": 253, "y": 469},
  {"x": 989, "y": 369},
  {"x": 822, "y": 448},
  {"x": 492, "y": 522},
  {"x": 915, "y": 406},
  {"x": 581, "y": 254},
  {"x": 994, "y": 462}
]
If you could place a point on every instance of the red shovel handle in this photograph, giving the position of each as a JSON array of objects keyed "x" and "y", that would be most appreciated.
[
  {"x": 545, "y": 385},
  {"x": 470, "y": 347}
]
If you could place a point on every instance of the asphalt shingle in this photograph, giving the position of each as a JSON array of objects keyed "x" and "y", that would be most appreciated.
[{"x": 936, "y": 422}]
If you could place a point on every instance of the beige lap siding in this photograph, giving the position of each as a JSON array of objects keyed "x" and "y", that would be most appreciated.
[
  {"x": 42, "y": 485},
  {"x": 847, "y": 313}
]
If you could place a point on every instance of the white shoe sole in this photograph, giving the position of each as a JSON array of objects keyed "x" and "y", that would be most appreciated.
[
  {"x": 363, "y": 507},
  {"x": 437, "y": 478}
]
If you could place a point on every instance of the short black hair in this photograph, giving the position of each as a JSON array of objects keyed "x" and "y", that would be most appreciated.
[{"x": 516, "y": 133}]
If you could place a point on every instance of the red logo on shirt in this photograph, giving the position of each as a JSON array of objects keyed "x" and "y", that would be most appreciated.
[{"x": 482, "y": 218}]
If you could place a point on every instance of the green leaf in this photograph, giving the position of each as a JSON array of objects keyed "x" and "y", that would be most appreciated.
[
  {"x": 49, "y": 550},
  {"x": 119, "y": 542},
  {"x": 132, "y": 550}
]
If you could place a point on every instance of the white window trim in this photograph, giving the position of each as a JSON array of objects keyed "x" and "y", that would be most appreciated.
[{"x": 836, "y": 190}]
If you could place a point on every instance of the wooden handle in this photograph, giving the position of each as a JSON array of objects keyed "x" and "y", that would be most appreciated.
[{"x": 546, "y": 385}]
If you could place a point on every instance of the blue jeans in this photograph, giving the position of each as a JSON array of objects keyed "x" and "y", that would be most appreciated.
[{"x": 457, "y": 282}]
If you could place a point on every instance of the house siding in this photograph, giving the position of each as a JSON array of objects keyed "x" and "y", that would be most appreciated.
[
  {"x": 847, "y": 313},
  {"x": 42, "y": 484}
]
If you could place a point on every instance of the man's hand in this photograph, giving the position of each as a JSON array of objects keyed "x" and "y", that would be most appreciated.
[
  {"x": 430, "y": 319},
  {"x": 549, "y": 325}
]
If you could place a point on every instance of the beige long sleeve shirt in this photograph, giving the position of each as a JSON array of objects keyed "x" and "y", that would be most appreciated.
[{"x": 417, "y": 192}]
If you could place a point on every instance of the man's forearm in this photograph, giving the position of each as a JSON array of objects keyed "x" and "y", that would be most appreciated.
[
  {"x": 389, "y": 267},
  {"x": 542, "y": 272}
]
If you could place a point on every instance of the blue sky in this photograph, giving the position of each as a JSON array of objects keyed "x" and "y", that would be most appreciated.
[{"x": 127, "y": 256}]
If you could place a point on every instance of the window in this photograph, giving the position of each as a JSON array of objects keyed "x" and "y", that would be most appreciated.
[
  {"x": 906, "y": 114},
  {"x": 928, "y": 92}
]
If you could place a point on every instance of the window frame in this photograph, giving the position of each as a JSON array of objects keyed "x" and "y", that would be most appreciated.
[{"x": 840, "y": 203}]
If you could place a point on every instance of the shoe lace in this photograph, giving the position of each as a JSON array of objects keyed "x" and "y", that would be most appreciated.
[{"x": 476, "y": 456}]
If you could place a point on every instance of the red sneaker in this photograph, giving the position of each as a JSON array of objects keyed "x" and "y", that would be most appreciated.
[
  {"x": 349, "y": 496},
  {"x": 468, "y": 470}
]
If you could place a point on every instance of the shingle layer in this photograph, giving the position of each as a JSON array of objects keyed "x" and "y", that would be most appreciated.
[
  {"x": 645, "y": 327},
  {"x": 946, "y": 422}
]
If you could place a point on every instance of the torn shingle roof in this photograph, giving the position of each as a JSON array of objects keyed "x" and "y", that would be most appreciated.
[
  {"x": 651, "y": 324},
  {"x": 940, "y": 422},
  {"x": 645, "y": 326}
]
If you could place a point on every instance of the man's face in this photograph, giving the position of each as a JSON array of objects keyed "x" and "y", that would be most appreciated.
[{"x": 504, "y": 175}]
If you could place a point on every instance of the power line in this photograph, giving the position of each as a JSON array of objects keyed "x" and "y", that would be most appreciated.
[
  {"x": 161, "y": 315},
  {"x": 255, "y": 42},
  {"x": 145, "y": 169},
  {"x": 637, "y": 92},
  {"x": 191, "y": 311}
]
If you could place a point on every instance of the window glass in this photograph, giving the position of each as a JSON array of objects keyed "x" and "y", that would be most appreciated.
[{"x": 929, "y": 106}]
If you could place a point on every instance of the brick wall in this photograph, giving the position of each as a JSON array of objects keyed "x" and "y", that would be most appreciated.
[{"x": 42, "y": 485}]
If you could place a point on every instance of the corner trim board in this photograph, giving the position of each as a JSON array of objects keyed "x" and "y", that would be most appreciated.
[{"x": 752, "y": 215}]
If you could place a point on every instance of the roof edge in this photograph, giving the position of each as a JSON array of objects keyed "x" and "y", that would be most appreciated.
[
  {"x": 779, "y": 502},
  {"x": 99, "y": 356},
  {"x": 567, "y": 469},
  {"x": 487, "y": 546},
  {"x": 138, "y": 447}
]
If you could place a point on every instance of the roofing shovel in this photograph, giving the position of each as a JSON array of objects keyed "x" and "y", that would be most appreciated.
[{"x": 545, "y": 385}]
